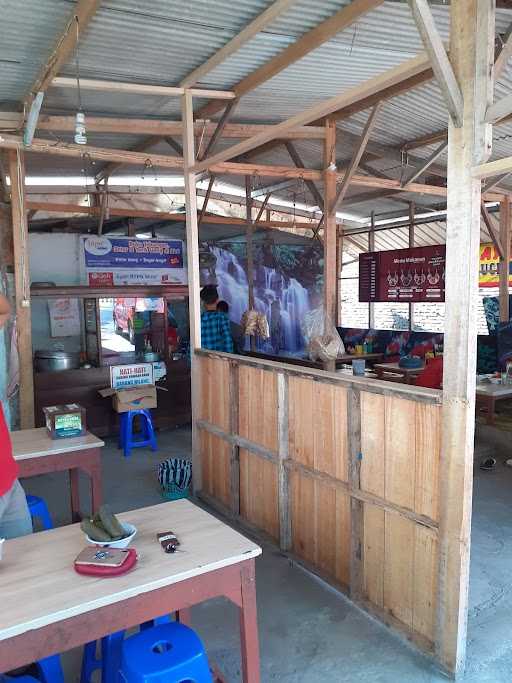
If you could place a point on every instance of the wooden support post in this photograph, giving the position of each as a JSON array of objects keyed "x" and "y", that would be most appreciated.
[
  {"x": 285, "y": 522},
  {"x": 234, "y": 429},
  {"x": 471, "y": 55},
  {"x": 356, "y": 506},
  {"x": 411, "y": 244},
  {"x": 371, "y": 247},
  {"x": 330, "y": 230},
  {"x": 505, "y": 261},
  {"x": 194, "y": 303},
  {"x": 250, "y": 250},
  {"x": 339, "y": 268},
  {"x": 22, "y": 288}
]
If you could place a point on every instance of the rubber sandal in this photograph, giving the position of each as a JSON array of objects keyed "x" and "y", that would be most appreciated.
[{"x": 488, "y": 464}]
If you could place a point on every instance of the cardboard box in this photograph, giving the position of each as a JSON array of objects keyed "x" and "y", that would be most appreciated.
[
  {"x": 65, "y": 421},
  {"x": 141, "y": 397}
]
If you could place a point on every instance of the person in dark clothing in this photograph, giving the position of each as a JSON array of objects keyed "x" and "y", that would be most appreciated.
[
  {"x": 215, "y": 328},
  {"x": 236, "y": 330}
]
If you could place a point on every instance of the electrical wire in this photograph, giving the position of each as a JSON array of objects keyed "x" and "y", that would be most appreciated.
[{"x": 77, "y": 63}]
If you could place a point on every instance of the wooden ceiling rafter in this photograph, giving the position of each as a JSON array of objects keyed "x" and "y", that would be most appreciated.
[
  {"x": 441, "y": 65},
  {"x": 322, "y": 109},
  {"x": 314, "y": 38},
  {"x": 63, "y": 49},
  {"x": 258, "y": 24}
]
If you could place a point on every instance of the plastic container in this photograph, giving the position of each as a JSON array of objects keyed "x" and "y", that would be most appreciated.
[
  {"x": 174, "y": 492},
  {"x": 122, "y": 543},
  {"x": 358, "y": 367}
]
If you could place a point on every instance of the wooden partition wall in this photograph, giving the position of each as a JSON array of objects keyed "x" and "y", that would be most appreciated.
[{"x": 343, "y": 473}]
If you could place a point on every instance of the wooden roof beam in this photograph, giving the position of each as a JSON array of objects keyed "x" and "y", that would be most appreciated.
[
  {"x": 155, "y": 127},
  {"x": 240, "y": 39},
  {"x": 441, "y": 66},
  {"x": 504, "y": 53},
  {"x": 83, "y": 12},
  {"x": 139, "y": 88},
  {"x": 323, "y": 109},
  {"x": 426, "y": 165},
  {"x": 349, "y": 174},
  {"x": 222, "y": 168},
  {"x": 344, "y": 18}
]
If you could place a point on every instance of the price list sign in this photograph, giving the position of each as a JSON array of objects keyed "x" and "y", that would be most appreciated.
[{"x": 405, "y": 275}]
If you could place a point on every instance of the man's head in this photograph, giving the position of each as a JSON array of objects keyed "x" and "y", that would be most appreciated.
[
  {"x": 223, "y": 306},
  {"x": 210, "y": 296}
]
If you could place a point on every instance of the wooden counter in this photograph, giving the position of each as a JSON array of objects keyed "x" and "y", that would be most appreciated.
[{"x": 81, "y": 386}]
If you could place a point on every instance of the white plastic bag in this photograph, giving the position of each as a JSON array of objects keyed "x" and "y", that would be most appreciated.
[{"x": 321, "y": 336}]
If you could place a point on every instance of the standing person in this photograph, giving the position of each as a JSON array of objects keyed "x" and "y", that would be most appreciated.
[
  {"x": 215, "y": 329},
  {"x": 14, "y": 513},
  {"x": 236, "y": 330}
]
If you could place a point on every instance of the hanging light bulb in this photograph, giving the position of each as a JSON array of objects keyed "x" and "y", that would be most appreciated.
[{"x": 80, "y": 132}]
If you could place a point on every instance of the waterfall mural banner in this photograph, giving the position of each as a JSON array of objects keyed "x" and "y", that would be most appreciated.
[
  {"x": 409, "y": 275},
  {"x": 288, "y": 280}
]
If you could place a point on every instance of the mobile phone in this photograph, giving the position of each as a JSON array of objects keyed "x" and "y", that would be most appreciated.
[{"x": 102, "y": 557}]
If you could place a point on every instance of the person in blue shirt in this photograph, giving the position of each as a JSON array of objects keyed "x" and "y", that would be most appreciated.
[{"x": 215, "y": 327}]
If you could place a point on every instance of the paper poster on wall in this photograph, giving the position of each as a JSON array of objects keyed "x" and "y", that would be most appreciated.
[
  {"x": 64, "y": 317},
  {"x": 113, "y": 261},
  {"x": 409, "y": 275},
  {"x": 489, "y": 267}
]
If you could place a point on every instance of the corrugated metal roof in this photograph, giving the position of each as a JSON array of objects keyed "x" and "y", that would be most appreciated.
[{"x": 162, "y": 41}]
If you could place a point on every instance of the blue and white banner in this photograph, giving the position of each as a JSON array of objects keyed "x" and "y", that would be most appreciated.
[{"x": 109, "y": 261}]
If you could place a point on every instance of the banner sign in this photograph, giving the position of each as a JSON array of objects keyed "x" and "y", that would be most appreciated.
[
  {"x": 113, "y": 261},
  {"x": 407, "y": 275},
  {"x": 489, "y": 267},
  {"x": 122, "y": 376}
]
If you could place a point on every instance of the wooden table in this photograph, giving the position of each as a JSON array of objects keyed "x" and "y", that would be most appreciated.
[
  {"x": 36, "y": 453},
  {"x": 48, "y": 608},
  {"x": 488, "y": 394},
  {"x": 390, "y": 371}
]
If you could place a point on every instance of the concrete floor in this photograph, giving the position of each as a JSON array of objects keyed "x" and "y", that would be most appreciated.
[{"x": 308, "y": 631}]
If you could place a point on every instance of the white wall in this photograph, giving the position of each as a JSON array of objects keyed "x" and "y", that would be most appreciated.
[{"x": 53, "y": 258}]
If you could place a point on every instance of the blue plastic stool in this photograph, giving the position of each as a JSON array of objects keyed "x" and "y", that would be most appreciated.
[
  {"x": 126, "y": 437},
  {"x": 38, "y": 508},
  {"x": 110, "y": 657},
  {"x": 49, "y": 670},
  {"x": 170, "y": 653}
]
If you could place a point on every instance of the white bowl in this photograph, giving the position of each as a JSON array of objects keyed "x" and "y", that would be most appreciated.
[{"x": 122, "y": 543}]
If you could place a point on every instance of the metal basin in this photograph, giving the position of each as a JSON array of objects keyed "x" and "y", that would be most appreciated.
[{"x": 54, "y": 361}]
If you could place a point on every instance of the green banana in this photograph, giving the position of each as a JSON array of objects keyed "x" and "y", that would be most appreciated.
[
  {"x": 110, "y": 523},
  {"x": 94, "y": 532}
]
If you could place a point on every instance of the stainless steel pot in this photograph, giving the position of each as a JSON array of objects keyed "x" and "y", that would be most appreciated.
[{"x": 53, "y": 361}]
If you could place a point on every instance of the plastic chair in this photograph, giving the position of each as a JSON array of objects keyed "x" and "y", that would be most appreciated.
[
  {"x": 126, "y": 436},
  {"x": 49, "y": 670},
  {"x": 170, "y": 653},
  {"x": 39, "y": 509},
  {"x": 110, "y": 654}
]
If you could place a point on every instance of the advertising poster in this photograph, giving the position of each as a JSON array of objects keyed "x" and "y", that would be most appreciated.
[
  {"x": 489, "y": 267},
  {"x": 109, "y": 261},
  {"x": 64, "y": 317},
  {"x": 406, "y": 275}
]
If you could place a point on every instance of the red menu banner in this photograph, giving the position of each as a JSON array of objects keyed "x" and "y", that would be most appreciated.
[{"x": 408, "y": 275}]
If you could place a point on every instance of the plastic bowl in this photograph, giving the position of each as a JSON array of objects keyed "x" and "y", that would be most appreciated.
[{"x": 122, "y": 543}]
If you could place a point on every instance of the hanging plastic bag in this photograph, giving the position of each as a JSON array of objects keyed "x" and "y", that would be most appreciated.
[{"x": 323, "y": 342}]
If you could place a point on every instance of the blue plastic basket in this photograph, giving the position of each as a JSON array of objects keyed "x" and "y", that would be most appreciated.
[{"x": 174, "y": 492}]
